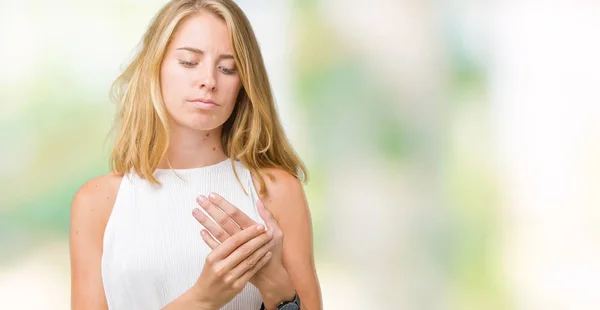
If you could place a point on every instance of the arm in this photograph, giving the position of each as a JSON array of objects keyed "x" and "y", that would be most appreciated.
[
  {"x": 90, "y": 210},
  {"x": 285, "y": 273},
  {"x": 187, "y": 301},
  {"x": 226, "y": 271},
  {"x": 285, "y": 199}
]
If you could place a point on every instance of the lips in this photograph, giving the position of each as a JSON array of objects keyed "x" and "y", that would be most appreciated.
[
  {"x": 202, "y": 100},
  {"x": 202, "y": 103}
]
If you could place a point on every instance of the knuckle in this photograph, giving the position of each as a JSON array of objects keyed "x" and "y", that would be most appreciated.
[
  {"x": 228, "y": 280},
  {"x": 210, "y": 259},
  {"x": 252, "y": 262},
  {"x": 220, "y": 234},
  {"x": 261, "y": 263},
  {"x": 222, "y": 221},
  {"x": 233, "y": 213},
  {"x": 246, "y": 251},
  {"x": 218, "y": 271}
]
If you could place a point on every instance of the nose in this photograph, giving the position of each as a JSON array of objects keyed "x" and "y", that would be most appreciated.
[{"x": 207, "y": 79}]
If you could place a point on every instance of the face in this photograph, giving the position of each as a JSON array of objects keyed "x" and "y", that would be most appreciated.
[{"x": 198, "y": 77}]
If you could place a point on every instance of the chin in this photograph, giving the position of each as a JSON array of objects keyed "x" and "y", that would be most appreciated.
[
  {"x": 203, "y": 128},
  {"x": 199, "y": 121},
  {"x": 202, "y": 124}
]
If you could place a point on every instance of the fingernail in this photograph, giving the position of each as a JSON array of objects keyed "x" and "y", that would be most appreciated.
[
  {"x": 201, "y": 198},
  {"x": 212, "y": 196},
  {"x": 196, "y": 211},
  {"x": 270, "y": 233},
  {"x": 260, "y": 227},
  {"x": 268, "y": 255}
]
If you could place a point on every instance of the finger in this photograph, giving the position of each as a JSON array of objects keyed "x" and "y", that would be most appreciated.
[
  {"x": 232, "y": 211},
  {"x": 267, "y": 216},
  {"x": 218, "y": 215},
  {"x": 261, "y": 263},
  {"x": 237, "y": 240},
  {"x": 210, "y": 240},
  {"x": 245, "y": 250},
  {"x": 216, "y": 230},
  {"x": 252, "y": 260}
]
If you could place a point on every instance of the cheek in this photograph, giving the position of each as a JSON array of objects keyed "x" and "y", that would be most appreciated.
[
  {"x": 172, "y": 82},
  {"x": 230, "y": 87}
]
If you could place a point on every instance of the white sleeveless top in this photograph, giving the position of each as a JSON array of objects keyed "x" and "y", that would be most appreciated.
[{"x": 153, "y": 251}]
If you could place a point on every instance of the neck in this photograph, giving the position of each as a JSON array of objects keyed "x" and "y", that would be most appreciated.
[{"x": 193, "y": 148}]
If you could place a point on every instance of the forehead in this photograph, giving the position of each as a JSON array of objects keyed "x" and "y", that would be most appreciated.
[{"x": 204, "y": 31}]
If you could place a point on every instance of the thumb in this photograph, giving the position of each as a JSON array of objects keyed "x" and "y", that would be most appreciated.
[{"x": 266, "y": 215}]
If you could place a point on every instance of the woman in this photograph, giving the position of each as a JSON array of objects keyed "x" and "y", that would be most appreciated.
[{"x": 199, "y": 148}]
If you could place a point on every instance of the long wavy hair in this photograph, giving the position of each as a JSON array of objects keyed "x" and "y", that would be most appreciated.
[{"x": 253, "y": 133}]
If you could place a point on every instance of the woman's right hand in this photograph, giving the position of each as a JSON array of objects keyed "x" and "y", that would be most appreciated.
[{"x": 230, "y": 266}]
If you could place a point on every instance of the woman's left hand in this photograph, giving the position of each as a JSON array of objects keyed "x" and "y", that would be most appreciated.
[{"x": 272, "y": 280}]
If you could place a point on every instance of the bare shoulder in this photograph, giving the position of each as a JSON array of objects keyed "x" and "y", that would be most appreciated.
[
  {"x": 284, "y": 197},
  {"x": 93, "y": 202},
  {"x": 280, "y": 184},
  {"x": 90, "y": 210}
]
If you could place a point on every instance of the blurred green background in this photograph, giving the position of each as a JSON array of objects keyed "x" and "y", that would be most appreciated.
[{"x": 453, "y": 145}]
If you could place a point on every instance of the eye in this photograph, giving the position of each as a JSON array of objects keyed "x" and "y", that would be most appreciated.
[
  {"x": 227, "y": 70},
  {"x": 188, "y": 64}
]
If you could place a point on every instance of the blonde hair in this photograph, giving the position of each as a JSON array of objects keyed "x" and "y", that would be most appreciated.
[{"x": 253, "y": 134}]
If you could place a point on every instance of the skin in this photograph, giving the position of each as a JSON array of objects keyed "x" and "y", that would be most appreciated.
[
  {"x": 285, "y": 198},
  {"x": 246, "y": 254}
]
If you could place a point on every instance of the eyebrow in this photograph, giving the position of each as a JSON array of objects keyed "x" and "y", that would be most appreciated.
[{"x": 201, "y": 52}]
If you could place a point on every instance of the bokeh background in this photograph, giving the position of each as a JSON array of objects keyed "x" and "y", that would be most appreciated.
[{"x": 454, "y": 146}]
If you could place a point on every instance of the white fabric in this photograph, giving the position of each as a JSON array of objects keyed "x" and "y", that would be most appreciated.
[{"x": 153, "y": 251}]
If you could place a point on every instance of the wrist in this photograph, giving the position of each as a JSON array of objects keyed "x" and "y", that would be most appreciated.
[
  {"x": 276, "y": 290},
  {"x": 190, "y": 300},
  {"x": 199, "y": 301}
]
